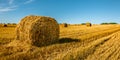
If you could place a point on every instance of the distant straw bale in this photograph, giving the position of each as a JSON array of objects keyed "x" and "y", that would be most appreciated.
[
  {"x": 64, "y": 25},
  {"x": 37, "y": 30},
  {"x": 5, "y": 25},
  {"x": 88, "y": 24}
]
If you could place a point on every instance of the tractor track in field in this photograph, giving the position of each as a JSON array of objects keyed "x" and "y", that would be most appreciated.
[
  {"x": 91, "y": 49},
  {"x": 76, "y": 45},
  {"x": 63, "y": 49},
  {"x": 85, "y": 49},
  {"x": 110, "y": 50}
]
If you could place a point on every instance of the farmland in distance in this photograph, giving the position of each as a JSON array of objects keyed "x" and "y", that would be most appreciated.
[{"x": 76, "y": 42}]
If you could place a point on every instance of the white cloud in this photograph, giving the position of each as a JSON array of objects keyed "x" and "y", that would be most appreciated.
[
  {"x": 6, "y": 9},
  {"x": 12, "y": 5},
  {"x": 11, "y": 1},
  {"x": 29, "y": 1}
]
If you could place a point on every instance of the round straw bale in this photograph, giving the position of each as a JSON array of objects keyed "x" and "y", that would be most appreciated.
[
  {"x": 64, "y": 25},
  {"x": 37, "y": 30},
  {"x": 5, "y": 25},
  {"x": 88, "y": 24}
]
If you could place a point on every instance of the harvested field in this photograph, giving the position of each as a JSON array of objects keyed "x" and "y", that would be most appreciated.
[{"x": 98, "y": 42}]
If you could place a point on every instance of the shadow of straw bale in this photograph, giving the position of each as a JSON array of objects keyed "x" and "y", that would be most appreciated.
[
  {"x": 67, "y": 40},
  {"x": 62, "y": 41}
]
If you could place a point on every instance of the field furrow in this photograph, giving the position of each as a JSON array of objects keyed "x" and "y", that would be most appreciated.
[
  {"x": 111, "y": 52},
  {"x": 86, "y": 43}
]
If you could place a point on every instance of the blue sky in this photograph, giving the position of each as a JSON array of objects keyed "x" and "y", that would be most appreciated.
[{"x": 64, "y": 11}]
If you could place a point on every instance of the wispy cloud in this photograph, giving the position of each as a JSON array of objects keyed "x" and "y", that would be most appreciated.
[
  {"x": 7, "y": 9},
  {"x": 12, "y": 5},
  {"x": 29, "y": 1},
  {"x": 11, "y": 1}
]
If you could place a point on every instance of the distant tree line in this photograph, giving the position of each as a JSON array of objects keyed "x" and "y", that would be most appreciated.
[
  {"x": 9, "y": 23},
  {"x": 83, "y": 23},
  {"x": 105, "y": 23}
]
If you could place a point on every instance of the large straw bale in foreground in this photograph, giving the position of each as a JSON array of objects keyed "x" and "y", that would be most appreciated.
[{"x": 37, "y": 30}]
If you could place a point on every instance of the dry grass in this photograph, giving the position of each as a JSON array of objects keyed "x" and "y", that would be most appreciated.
[
  {"x": 7, "y": 34},
  {"x": 99, "y": 42}
]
